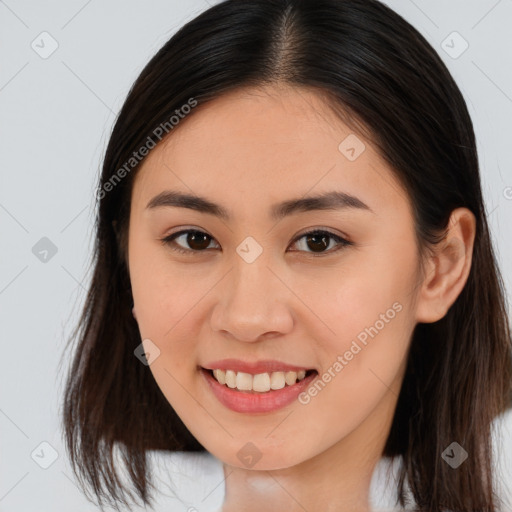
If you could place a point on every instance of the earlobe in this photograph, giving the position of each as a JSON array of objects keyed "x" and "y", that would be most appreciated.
[
  {"x": 133, "y": 313},
  {"x": 449, "y": 268}
]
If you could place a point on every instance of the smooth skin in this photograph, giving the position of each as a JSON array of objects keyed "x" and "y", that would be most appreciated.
[{"x": 246, "y": 151}]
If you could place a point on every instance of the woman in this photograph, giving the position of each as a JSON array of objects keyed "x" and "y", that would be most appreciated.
[{"x": 293, "y": 269}]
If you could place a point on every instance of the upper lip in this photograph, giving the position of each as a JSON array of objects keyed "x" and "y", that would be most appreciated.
[{"x": 254, "y": 367}]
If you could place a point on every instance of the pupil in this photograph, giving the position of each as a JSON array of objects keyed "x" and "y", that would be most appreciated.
[
  {"x": 193, "y": 238},
  {"x": 323, "y": 244}
]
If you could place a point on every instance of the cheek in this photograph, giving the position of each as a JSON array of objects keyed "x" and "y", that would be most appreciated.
[
  {"x": 368, "y": 308},
  {"x": 163, "y": 293},
  {"x": 372, "y": 287}
]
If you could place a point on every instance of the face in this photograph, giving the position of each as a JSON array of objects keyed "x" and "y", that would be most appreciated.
[{"x": 306, "y": 306}]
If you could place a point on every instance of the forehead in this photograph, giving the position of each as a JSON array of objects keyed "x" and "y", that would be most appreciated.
[{"x": 265, "y": 142}]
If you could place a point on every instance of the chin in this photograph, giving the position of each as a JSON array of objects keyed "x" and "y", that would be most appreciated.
[{"x": 260, "y": 454}]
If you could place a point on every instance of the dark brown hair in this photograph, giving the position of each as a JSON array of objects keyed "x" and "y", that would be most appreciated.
[{"x": 377, "y": 72}]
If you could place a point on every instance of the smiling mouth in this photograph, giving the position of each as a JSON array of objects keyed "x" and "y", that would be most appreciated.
[{"x": 258, "y": 383}]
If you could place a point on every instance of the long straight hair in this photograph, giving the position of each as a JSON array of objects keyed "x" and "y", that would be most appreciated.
[{"x": 382, "y": 78}]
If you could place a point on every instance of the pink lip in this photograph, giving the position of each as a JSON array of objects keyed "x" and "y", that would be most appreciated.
[
  {"x": 254, "y": 402},
  {"x": 267, "y": 366}
]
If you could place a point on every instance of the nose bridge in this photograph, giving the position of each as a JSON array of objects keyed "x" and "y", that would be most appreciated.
[
  {"x": 253, "y": 282},
  {"x": 252, "y": 301}
]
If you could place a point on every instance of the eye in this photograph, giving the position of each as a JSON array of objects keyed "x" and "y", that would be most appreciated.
[
  {"x": 318, "y": 240},
  {"x": 199, "y": 241}
]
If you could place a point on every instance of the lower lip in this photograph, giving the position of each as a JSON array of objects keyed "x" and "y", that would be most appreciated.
[{"x": 240, "y": 401}]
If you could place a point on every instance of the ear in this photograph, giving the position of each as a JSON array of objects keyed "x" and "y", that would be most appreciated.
[{"x": 448, "y": 268}]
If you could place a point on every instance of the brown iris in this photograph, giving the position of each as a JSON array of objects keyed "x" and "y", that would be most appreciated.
[
  {"x": 201, "y": 240},
  {"x": 317, "y": 242}
]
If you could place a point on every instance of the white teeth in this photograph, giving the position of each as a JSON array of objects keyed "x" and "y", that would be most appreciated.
[
  {"x": 244, "y": 381},
  {"x": 262, "y": 382},
  {"x": 290, "y": 378},
  {"x": 231, "y": 379},
  {"x": 277, "y": 380},
  {"x": 220, "y": 375}
]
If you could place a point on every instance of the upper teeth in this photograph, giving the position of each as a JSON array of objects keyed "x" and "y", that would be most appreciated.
[{"x": 261, "y": 382}]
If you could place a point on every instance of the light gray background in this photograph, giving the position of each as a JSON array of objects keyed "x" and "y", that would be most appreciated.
[{"x": 55, "y": 118}]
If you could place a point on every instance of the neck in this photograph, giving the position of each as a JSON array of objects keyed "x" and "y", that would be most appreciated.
[
  {"x": 296, "y": 491},
  {"x": 335, "y": 480}
]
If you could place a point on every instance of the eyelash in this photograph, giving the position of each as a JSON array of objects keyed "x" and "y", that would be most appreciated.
[{"x": 170, "y": 241}]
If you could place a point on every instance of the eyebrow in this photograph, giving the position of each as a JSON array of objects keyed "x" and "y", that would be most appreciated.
[{"x": 334, "y": 200}]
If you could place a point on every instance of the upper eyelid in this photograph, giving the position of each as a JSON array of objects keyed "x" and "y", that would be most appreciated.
[
  {"x": 300, "y": 234},
  {"x": 328, "y": 231}
]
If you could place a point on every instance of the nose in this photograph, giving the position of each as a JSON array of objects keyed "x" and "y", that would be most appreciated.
[{"x": 253, "y": 303}]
